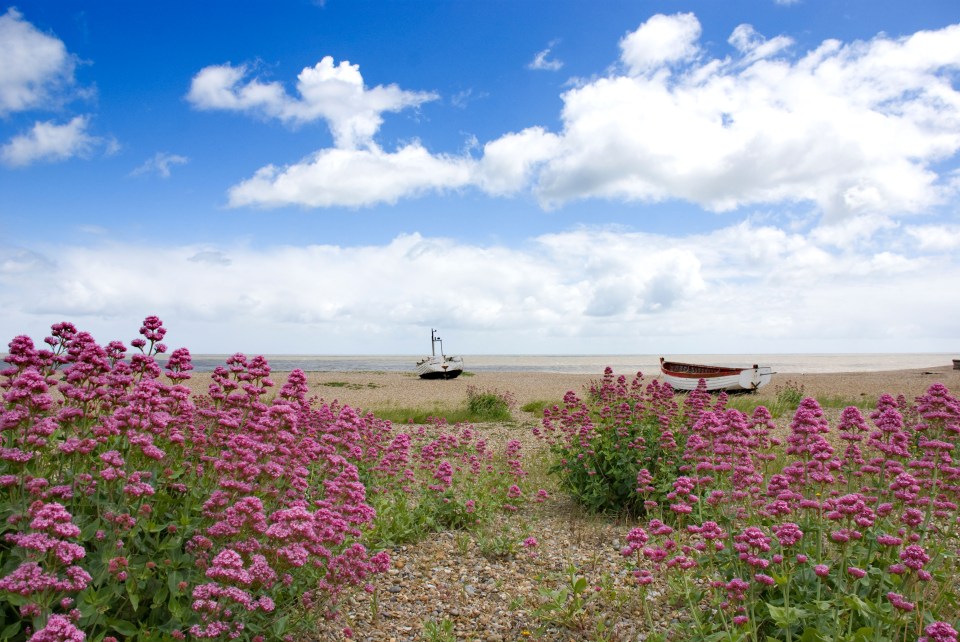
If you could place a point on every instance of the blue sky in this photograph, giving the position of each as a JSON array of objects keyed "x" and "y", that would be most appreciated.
[{"x": 529, "y": 177}]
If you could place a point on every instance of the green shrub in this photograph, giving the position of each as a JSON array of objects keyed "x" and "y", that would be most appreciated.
[
  {"x": 599, "y": 446},
  {"x": 489, "y": 405}
]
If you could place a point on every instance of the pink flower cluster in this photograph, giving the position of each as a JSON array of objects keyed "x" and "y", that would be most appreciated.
[
  {"x": 100, "y": 460},
  {"x": 859, "y": 522}
]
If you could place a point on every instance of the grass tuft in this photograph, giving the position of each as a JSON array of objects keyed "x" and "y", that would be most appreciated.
[{"x": 350, "y": 386}]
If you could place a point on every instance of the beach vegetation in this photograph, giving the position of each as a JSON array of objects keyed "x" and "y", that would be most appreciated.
[
  {"x": 350, "y": 385},
  {"x": 804, "y": 538},
  {"x": 566, "y": 606},
  {"x": 133, "y": 509},
  {"x": 600, "y": 445},
  {"x": 537, "y": 406},
  {"x": 490, "y": 405},
  {"x": 480, "y": 406},
  {"x": 420, "y": 414},
  {"x": 497, "y": 542},
  {"x": 428, "y": 414},
  {"x": 428, "y": 497},
  {"x": 439, "y": 631}
]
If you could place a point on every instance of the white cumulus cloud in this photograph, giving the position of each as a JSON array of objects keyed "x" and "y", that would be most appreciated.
[
  {"x": 661, "y": 40},
  {"x": 858, "y": 130},
  {"x": 34, "y": 66},
  {"x": 353, "y": 178},
  {"x": 853, "y": 128},
  {"x": 334, "y": 93},
  {"x": 50, "y": 142},
  {"x": 37, "y": 74},
  {"x": 509, "y": 163}
]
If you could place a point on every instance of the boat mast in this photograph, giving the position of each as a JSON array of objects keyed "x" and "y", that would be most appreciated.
[{"x": 434, "y": 340}]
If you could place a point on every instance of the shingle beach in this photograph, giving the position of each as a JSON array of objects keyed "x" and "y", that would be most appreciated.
[
  {"x": 446, "y": 580},
  {"x": 372, "y": 390}
]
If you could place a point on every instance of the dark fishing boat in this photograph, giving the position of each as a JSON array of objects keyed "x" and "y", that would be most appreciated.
[{"x": 439, "y": 367}]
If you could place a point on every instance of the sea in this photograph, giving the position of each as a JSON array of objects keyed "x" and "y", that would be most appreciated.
[{"x": 595, "y": 364}]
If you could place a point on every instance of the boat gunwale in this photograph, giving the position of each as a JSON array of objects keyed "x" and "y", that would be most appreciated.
[{"x": 703, "y": 372}]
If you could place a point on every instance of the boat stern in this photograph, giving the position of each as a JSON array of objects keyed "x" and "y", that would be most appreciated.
[{"x": 756, "y": 377}]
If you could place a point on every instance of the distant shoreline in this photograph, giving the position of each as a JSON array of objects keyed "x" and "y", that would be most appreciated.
[{"x": 784, "y": 364}]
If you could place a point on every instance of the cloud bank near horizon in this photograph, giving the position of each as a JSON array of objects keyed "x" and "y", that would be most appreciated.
[{"x": 746, "y": 287}]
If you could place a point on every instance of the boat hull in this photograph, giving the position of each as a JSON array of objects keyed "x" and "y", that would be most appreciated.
[
  {"x": 440, "y": 368},
  {"x": 687, "y": 376}
]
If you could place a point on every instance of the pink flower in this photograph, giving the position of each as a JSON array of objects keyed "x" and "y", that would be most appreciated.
[
  {"x": 914, "y": 557},
  {"x": 822, "y": 570},
  {"x": 788, "y": 534},
  {"x": 643, "y": 577},
  {"x": 899, "y": 602},
  {"x": 754, "y": 538},
  {"x": 762, "y": 578},
  {"x": 858, "y": 573},
  {"x": 636, "y": 539},
  {"x": 939, "y": 632},
  {"x": 58, "y": 629}
]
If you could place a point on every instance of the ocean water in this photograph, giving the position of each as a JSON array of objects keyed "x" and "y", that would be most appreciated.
[{"x": 595, "y": 364}]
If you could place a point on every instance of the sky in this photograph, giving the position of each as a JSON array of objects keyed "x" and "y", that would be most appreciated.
[{"x": 532, "y": 177}]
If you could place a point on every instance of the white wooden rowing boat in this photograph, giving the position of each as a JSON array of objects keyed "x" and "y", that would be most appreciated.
[
  {"x": 439, "y": 367},
  {"x": 686, "y": 376}
]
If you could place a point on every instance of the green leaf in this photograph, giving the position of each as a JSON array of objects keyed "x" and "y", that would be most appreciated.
[
  {"x": 786, "y": 616},
  {"x": 280, "y": 626},
  {"x": 812, "y": 635},
  {"x": 863, "y": 634},
  {"x": 857, "y": 604},
  {"x": 10, "y": 630},
  {"x": 123, "y": 627},
  {"x": 823, "y": 605},
  {"x": 160, "y": 596},
  {"x": 173, "y": 581}
]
